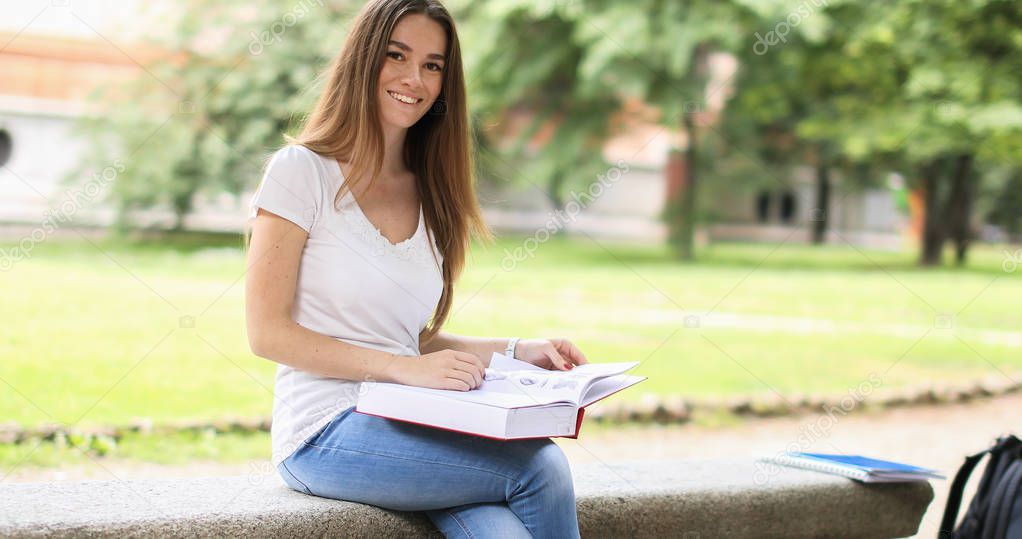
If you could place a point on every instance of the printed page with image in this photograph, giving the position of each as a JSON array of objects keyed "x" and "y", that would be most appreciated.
[{"x": 515, "y": 400}]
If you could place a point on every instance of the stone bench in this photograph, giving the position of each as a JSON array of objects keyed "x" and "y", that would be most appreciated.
[{"x": 687, "y": 499}]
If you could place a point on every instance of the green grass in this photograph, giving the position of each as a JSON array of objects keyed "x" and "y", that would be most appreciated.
[
  {"x": 93, "y": 334},
  {"x": 177, "y": 449}
]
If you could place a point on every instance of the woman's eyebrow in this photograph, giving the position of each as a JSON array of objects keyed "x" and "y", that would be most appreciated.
[{"x": 406, "y": 48}]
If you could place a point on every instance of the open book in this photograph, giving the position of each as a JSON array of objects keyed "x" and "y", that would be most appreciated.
[{"x": 516, "y": 400}]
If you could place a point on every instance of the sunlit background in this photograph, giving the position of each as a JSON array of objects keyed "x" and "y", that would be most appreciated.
[{"x": 772, "y": 205}]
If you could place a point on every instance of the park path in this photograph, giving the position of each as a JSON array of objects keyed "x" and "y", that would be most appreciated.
[{"x": 933, "y": 436}]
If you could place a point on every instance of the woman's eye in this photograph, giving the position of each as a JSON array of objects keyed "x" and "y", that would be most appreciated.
[
  {"x": 395, "y": 55},
  {"x": 434, "y": 67}
]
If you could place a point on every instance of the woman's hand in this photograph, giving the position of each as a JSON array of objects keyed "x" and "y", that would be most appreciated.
[
  {"x": 551, "y": 354},
  {"x": 444, "y": 369}
]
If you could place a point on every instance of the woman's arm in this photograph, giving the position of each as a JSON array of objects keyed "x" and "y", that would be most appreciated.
[
  {"x": 481, "y": 347},
  {"x": 273, "y": 258},
  {"x": 270, "y": 283},
  {"x": 550, "y": 354}
]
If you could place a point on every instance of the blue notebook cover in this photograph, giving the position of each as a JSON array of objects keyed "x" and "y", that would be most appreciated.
[{"x": 867, "y": 464}]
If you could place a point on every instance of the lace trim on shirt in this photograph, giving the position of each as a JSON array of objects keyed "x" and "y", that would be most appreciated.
[{"x": 412, "y": 249}]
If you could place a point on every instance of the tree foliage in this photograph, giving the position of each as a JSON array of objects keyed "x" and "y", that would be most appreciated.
[
  {"x": 930, "y": 89},
  {"x": 233, "y": 77}
]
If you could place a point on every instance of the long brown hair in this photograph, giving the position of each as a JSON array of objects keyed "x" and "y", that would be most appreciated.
[{"x": 345, "y": 124}]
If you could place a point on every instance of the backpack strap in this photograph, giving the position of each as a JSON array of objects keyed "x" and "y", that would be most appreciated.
[{"x": 954, "y": 500}]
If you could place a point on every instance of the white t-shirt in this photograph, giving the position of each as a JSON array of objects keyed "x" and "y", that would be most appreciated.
[{"x": 353, "y": 285}]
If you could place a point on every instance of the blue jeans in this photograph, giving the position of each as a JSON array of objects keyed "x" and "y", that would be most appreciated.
[{"x": 467, "y": 485}]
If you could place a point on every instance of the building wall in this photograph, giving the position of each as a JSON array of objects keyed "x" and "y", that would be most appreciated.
[
  {"x": 627, "y": 208},
  {"x": 44, "y": 90},
  {"x": 43, "y": 150}
]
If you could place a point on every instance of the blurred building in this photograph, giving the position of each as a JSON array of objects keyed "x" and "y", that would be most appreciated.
[
  {"x": 42, "y": 94},
  {"x": 51, "y": 64},
  {"x": 51, "y": 58},
  {"x": 631, "y": 208}
]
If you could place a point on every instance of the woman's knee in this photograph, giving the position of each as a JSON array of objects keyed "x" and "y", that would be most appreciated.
[{"x": 549, "y": 470}]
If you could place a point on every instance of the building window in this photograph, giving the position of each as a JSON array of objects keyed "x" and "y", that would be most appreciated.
[
  {"x": 5, "y": 147},
  {"x": 763, "y": 206},
  {"x": 787, "y": 207},
  {"x": 774, "y": 207}
]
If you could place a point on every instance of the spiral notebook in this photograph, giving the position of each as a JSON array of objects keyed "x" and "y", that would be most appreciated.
[{"x": 859, "y": 468}]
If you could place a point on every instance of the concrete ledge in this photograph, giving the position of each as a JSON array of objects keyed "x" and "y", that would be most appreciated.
[{"x": 689, "y": 499}]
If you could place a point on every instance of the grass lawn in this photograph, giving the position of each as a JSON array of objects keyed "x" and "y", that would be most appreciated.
[{"x": 104, "y": 333}]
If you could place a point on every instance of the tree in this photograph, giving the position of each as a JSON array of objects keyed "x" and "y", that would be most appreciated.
[
  {"x": 520, "y": 64},
  {"x": 204, "y": 115},
  {"x": 576, "y": 61},
  {"x": 927, "y": 86},
  {"x": 806, "y": 99}
]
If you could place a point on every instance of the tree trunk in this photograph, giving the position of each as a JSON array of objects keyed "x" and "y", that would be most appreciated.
[
  {"x": 687, "y": 196},
  {"x": 933, "y": 228},
  {"x": 959, "y": 206},
  {"x": 820, "y": 213},
  {"x": 182, "y": 207},
  {"x": 554, "y": 191},
  {"x": 675, "y": 179},
  {"x": 682, "y": 210}
]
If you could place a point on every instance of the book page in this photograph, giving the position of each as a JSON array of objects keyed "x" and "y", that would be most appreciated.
[
  {"x": 541, "y": 387},
  {"x": 510, "y": 383},
  {"x": 511, "y": 376},
  {"x": 607, "y": 386}
]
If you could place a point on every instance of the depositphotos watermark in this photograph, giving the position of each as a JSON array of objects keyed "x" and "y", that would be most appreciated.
[
  {"x": 275, "y": 32},
  {"x": 54, "y": 218},
  {"x": 560, "y": 218},
  {"x": 781, "y": 30},
  {"x": 1011, "y": 261},
  {"x": 820, "y": 427}
]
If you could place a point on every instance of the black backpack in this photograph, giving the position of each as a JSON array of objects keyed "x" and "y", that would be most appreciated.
[{"x": 996, "y": 509}]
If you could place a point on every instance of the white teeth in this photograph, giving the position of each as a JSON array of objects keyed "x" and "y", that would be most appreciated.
[{"x": 403, "y": 98}]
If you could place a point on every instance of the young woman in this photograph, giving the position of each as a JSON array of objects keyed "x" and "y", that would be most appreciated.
[{"x": 361, "y": 226}]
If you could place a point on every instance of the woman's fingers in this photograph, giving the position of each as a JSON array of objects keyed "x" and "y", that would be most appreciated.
[
  {"x": 573, "y": 353},
  {"x": 569, "y": 352},
  {"x": 464, "y": 380},
  {"x": 470, "y": 365},
  {"x": 557, "y": 359},
  {"x": 474, "y": 365},
  {"x": 470, "y": 370}
]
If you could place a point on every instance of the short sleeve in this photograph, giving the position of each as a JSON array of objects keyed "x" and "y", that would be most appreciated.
[{"x": 291, "y": 187}]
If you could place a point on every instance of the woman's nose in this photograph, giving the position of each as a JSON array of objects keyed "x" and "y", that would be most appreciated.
[{"x": 412, "y": 77}]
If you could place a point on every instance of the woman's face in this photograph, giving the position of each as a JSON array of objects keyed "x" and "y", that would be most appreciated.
[{"x": 413, "y": 71}]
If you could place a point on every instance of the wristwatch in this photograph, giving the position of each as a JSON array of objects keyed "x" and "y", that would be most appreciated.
[{"x": 510, "y": 350}]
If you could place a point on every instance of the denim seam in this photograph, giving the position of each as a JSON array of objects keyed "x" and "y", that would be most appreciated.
[
  {"x": 295, "y": 477},
  {"x": 460, "y": 522},
  {"x": 325, "y": 448},
  {"x": 333, "y": 417}
]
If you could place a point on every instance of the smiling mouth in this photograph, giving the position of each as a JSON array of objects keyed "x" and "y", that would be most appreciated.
[{"x": 406, "y": 99}]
